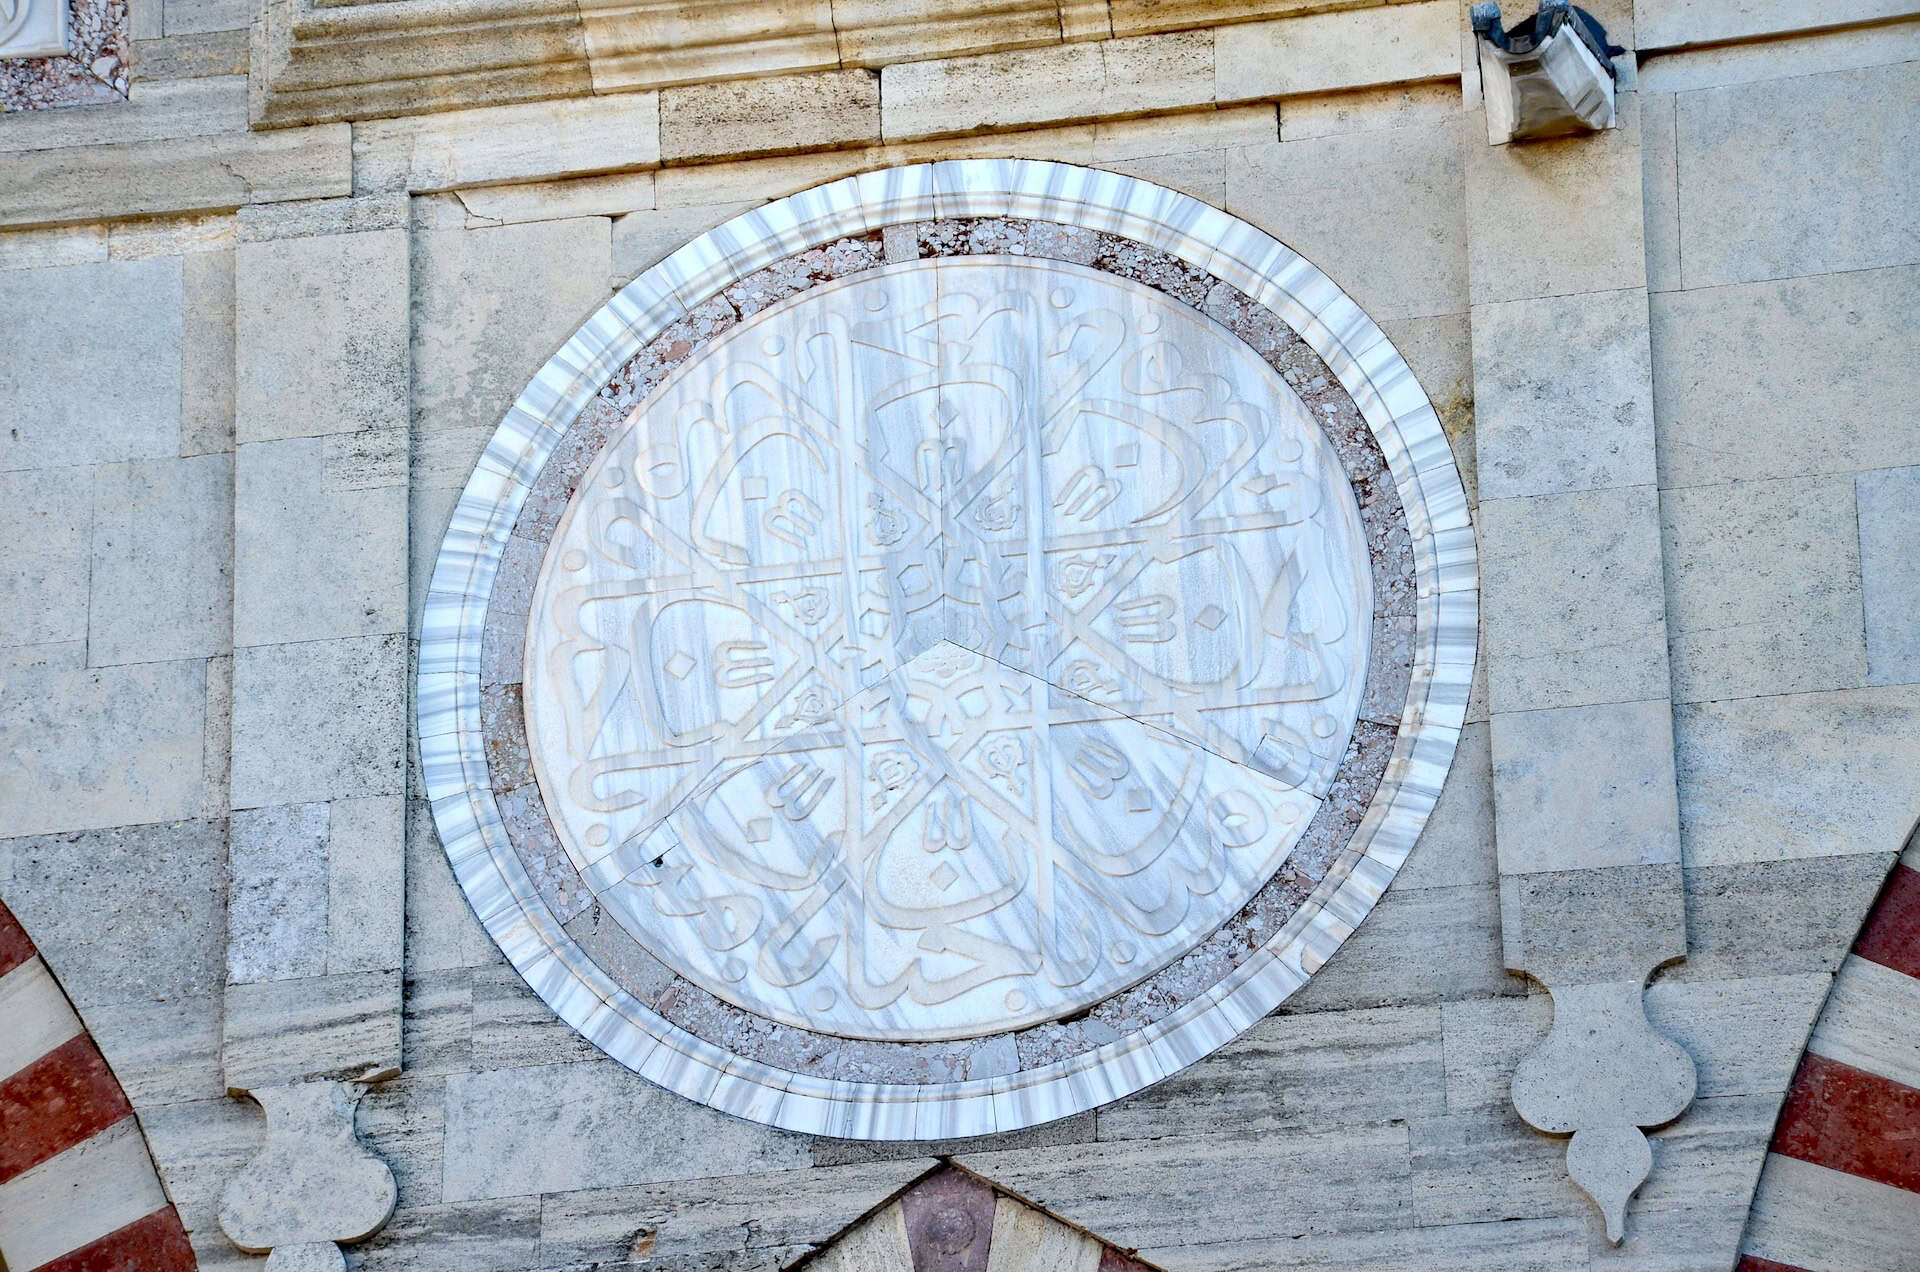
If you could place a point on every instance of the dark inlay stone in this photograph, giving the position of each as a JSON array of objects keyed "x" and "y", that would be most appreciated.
[
  {"x": 1750, "y": 1263},
  {"x": 1853, "y": 1121},
  {"x": 1891, "y": 936},
  {"x": 64, "y": 1097},
  {"x": 949, "y": 1222},
  {"x": 1111, "y": 1260},
  {"x": 15, "y": 947},
  {"x": 156, "y": 1243}
]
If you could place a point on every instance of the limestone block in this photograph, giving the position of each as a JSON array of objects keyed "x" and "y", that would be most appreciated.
[
  {"x": 312, "y": 218},
  {"x": 1805, "y": 1215},
  {"x": 345, "y": 1027},
  {"x": 1479, "y": 1167},
  {"x": 507, "y": 143},
  {"x": 197, "y": 1146},
  {"x": 1075, "y": 1129},
  {"x": 1563, "y": 394},
  {"x": 154, "y": 111},
  {"x": 643, "y": 239},
  {"x": 1047, "y": 85},
  {"x": 879, "y": 32},
  {"x": 1799, "y": 176},
  {"x": 206, "y": 353},
  {"x": 1745, "y": 1035},
  {"x": 488, "y": 1234},
  {"x": 646, "y": 45},
  {"x": 1831, "y": 354},
  {"x": 512, "y": 1028},
  {"x": 1484, "y": 1039},
  {"x": 1580, "y": 788},
  {"x": 1662, "y": 24},
  {"x": 1456, "y": 847},
  {"x": 161, "y": 581},
  {"x": 186, "y": 234},
  {"x": 277, "y": 915},
  {"x": 1775, "y": 917},
  {"x": 323, "y": 323},
  {"x": 143, "y": 19},
  {"x": 1607, "y": 925},
  {"x": 110, "y": 746},
  {"x": 62, "y": 326},
  {"x": 188, "y": 174},
  {"x": 1763, "y": 586},
  {"x": 1368, "y": 110},
  {"x": 491, "y": 305},
  {"x": 1323, "y": 1068},
  {"x": 1425, "y": 946},
  {"x": 164, "y": 1051},
  {"x": 1592, "y": 182},
  {"x": 552, "y": 1129},
  {"x": 557, "y": 200},
  {"x": 76, "y": 1197},
  {"x": 1889, "y": 504},
  {"x": 1029, "y": 1240},
  {"x": 766, "y": 116},
  {"x": 1574, "y": 609},
  {"x": 316, "y": 555},
  {"x": 1804, "y": 775},
  {"x": 46, "y": 519},
  {"x": 366, "y": 868},
  {"x": 1782, "y": 58},
  {"x": 54, "y": 245},
  {"x": 879, "y": 1243},
  {"x": 400, "y": 1122},
  {"x": 441, "y": 930},
  {"x": 1514, "y": 1245},
  {"x": 1440, "y": 351},
  {"x": 192, "y": 17},
  {"x": 193, "y": 56},
  {"x": 318, "y": 720},
  {"x": 312, "y": 1184},
  {"x": 436, "y": 1033},
  {"x": 1324, "y": 52},
  {"x": 1660, "y": 186},
  {"x": 1398, "y": 257},
  {"x": 1855, "y": 1028}
]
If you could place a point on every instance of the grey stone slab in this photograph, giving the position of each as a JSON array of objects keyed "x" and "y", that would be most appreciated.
[
  {"x": 738, "y": 1216},
  {"x": 161, "y": 583},
  {"x": 1422, "y": 946},
  {"x": 489, "y": 1236},
  {"x": 1592, "y": 926},
  {"x": 1398, "y": 257},
  {"x": 568, "y": 1126},
  {"x": 400, "y": 1122},
  {"x": 513, "y": 1029},
  {"x": 1776, "y": 917},
  {"x": 1284, "y": 1185},
  {"x": 319, "y": 720},
  {"x": 1535, "y": 1245},
  {"x": 1077, "y": 1129},
  {"x": 62, "y": 326},
  {"x": 1746, "y": 1035},
  {"x": 111, "y": 746},
  {"x": 323, "y": 335},
  {"x": 1763, "y": 588},
  {"x": 46, "y": 518},
  {"x": 206, "y": 353},
  {"x": 1794, "y": 55},
  {"x": 160, "y": 890},
  {"x": 1691, "y": 1209},
  {"x": 1585, "y": 787},
  {"x": 321, "y": 1026},
  {"x": 491, "y": 305},
  {"x": 1486, "y": 1167},
  {"x": 1786, "y": 378},
  {"x": 1888, "y": 501},
  {"x": 441, "y": 930},
  {"x": 1807, "y": 175},
  {"x": 1802, "y": 775},
  {"x": 317, "y": 554},
  {"x": 1320, "y": 53},
  {"x": 1660, "y": 186},
  {"x": 1484, "y": 1040},
  {"x": 1592, "y": 182},
  {"x": 1572, "y": 599},
  {"x": 436, "y": 1027},
  {"x": 1440, "y": 351},
  {"x": 216, "y": 745},
  {"x": 197, "y": 1147},
  {"x": 643, "y": 239},
  {"x": 1315, "y": 1069},
  {"x": 1563, "y": 394},
  {"x": 277, "y": 914},
  {"x": 1456, "y": 848},
  {"x": 163, "y": 1051},
  {"x": 366, "y": 877}
]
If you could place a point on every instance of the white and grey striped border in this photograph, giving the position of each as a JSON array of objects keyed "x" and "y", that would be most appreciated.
[{"x": 452, "y": 751}]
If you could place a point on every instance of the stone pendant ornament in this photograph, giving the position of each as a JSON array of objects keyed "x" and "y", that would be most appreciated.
[
  {"x": 312, "y": 1186},
  {"x": 1602, "y": 1074}
]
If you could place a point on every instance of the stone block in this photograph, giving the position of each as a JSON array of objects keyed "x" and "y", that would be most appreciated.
[
  {"x": 111, "y": 746},
  {"x": 163, "y": 1051},
  {"x": 1423, "y": 946},
  {"x": 1582, "y": 788},
  {"x": 62, "y": 326},
  {"x": 1804, "y": 775},
  {"x": 194, "y": 17},
  {"x": 488, "y": 1236},
  {"x": 1784, "y": 58},
  {"x": 767, "y": 116},
  {"x": 400, "y": 1122},
  {"x": 1440, "y": 351},
  {"x": 1315, "y": 1069},
  {"x": 491, "y": 306},
  {"x": 1663, "y": 24},
  {"x": 319, "y": 720},
  {"x": 55, "y": 245},
  {"x": 441, "y": 930},
  {"x": 283, "y": 1031},
  {"x": 197, "y": 1146},
  {"x": 1398, "y": 257},
  {"x": 318, "y": 555},
  {"x": 1889, "y": 505},
  {"x": 1572, "y": 599},
  {"x": 1592, "y": 182},
  {"x": 1763, "y": 588},
  {"x": 644, "y": 239},
  {"x": 188, "y": 234},
  {"x": 1592, "y": 927},
  {"x": 1327, "y": 52},
  {"x": 1486, "y": 1167},
  {"x": 323, "y": 335},
  {"x": 513, "y": 1029},
  {"x": 1790, "y": 177},
  {"x": 436, "y": 1031},
  {"x": 1517, "y": 1245},
  {"x": 277, "y": 917},
  {"x": 1831, "y": 354},
  {"x": 1660, "y": 186},
  {"x": 1746, "y": 1035},
  {"x": 881, "y": 32},
  {"x": 1563, "y": 395},
  {"x": 1484, "y": 1039},
  {"x": 206, "y": 353},
  {"x": 557, "y": 200},
  {"x": 166, "y": 931},
  {"x": 562, "y": 1127},
  {"x": 321, "y": 218},
  {"x": 1456, "y": 847},
  {"x": 1776, "y": 917},
  {"x": 161, "y": 582},
  {"x": 635, "y": 47},
  {"x": 531, "y": 141},
  {"x": 187, "y": 174},
  {"x": 1806, "y": 1215},
  {"x": 46, "y": 519},
  {"x": 1076, "y": 1129},
  {"x": 366, "y": 875},
  {"x": 153, "y": 111},
  {"x": 1368, "y": 110}
]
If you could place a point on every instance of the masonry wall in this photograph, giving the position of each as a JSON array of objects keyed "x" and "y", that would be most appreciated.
[{"x": 305, "y": 356}]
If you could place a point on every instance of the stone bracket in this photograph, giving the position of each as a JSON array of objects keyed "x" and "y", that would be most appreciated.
[{"x": 312, "y": 1185}]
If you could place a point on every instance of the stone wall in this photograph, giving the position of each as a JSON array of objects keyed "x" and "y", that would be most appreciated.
[{"x": 248, "y": 371}]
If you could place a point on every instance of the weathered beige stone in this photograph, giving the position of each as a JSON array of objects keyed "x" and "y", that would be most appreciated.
[
  {"x": 880, "y": 32},
  {"x": 1578, "y": 788},
  {"x": 1513, "y": 1245},
  {"x": 206, "y": 353},
  {"x": 557, "y": 200},
  {"x": 154, "y": 112},
  {"x": 193, "y": 17},
  {"x": 1366, "y": 110},
  {"x": 366, "y": 871},
  {"x": 1763, "y": 588},
  {"x": 1326, "y": 52},
  {"x": 46, "y": 520},
  {"x": 1593, "y": 926},
  {"x": 1423, "y": 946},
  {"x": 1660, "y": 184},
  {"x": 877, "y": 1244},
  {"x": 1781, "y": 58},
  {"x": 163, "y": 1051},
  {"x": 318, "y": 720},
  {"x": 644, "y": 239},
  {"x": 161, "y": 581},
  {"x": 311, "y": 218},
  {"x": 55, "y": 245},
  {"x": 538, "y": 140},
  {"x": 650, "y": 44},
  {"x": 1029, "y": 1240},
  {"x": 193, "y": 56},
  {"x": 1671, "y": 23}
]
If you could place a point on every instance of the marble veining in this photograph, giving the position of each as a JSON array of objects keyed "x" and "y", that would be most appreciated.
[{"x": 948, "y": 648}]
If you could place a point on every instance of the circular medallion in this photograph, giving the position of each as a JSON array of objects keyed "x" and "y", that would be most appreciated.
[{"x": 947, "y": 649}]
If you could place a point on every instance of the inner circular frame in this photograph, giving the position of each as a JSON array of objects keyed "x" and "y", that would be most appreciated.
[{"x": 1062, "y": 1079}]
